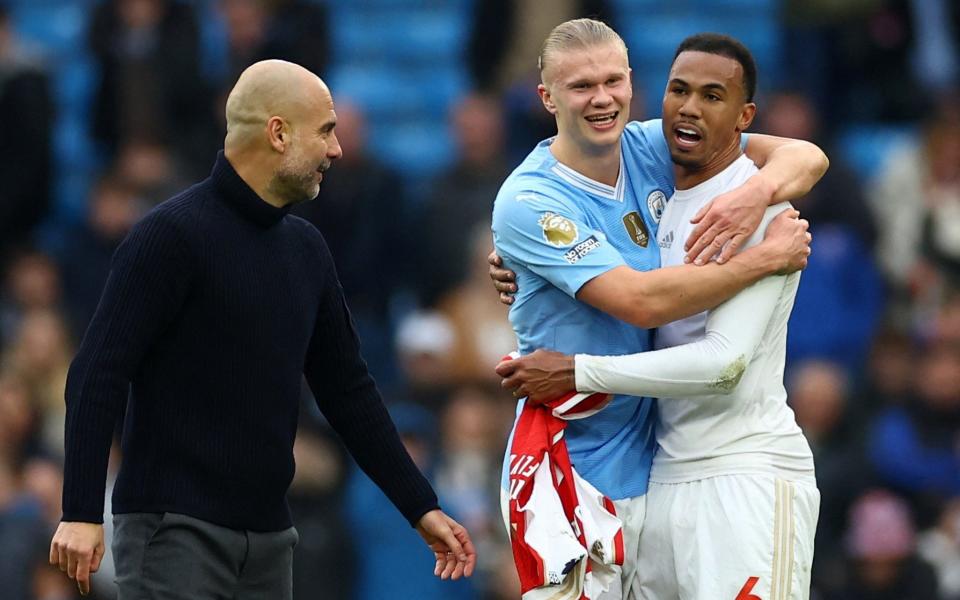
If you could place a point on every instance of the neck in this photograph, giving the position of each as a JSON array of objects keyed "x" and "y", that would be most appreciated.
[
  {"x": 602, "y": 165},
  {"x": 259, "y": 179},
  {"x": 688, "y": 177}
]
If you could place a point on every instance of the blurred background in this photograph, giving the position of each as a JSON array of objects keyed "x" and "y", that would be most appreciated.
[{"x": 108, "y": 107}]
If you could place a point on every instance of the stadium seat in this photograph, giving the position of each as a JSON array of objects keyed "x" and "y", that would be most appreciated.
[
  {"x": 867, "y": 146},
  {"x": 417, "y": 148}
]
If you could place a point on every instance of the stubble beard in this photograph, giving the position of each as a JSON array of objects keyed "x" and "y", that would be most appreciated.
[
  {"x": 295, "y": 181},
  {"x": 688, "y": 163}
]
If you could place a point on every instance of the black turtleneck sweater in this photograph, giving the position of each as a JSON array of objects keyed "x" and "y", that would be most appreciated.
[{"x": 215, "y": 305}]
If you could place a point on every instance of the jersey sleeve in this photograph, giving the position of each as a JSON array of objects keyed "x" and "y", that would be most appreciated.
[
  {"x": 712, "y": 365},
  {"x": 550, "y": 237}
]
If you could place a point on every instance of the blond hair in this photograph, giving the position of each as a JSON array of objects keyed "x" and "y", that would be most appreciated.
[{"x": 577, "y": 34}]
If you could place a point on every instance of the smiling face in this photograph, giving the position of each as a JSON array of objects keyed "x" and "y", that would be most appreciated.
[
  {"x": 589, "y": 91},
  {"x": 704, "y": 111}
]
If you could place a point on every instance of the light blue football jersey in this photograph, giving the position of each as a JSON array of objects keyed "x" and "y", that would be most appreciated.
[{"x": 558, "y": 230}]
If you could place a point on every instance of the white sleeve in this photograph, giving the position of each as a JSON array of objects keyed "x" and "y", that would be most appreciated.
[{"x": 712, "y": 365}]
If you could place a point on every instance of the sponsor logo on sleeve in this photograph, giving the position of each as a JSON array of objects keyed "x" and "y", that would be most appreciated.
[
  {"x": 656, "y": 202},
  {"x": 558, "y": 231},
  {"x": 582, "y": 249},
  {"x": 636, "y": 228}
]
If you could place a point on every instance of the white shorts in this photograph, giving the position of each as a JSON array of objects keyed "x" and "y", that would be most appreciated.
[
  {"x": 623, "y": 581},
  {"x": 729, "y": 537}
]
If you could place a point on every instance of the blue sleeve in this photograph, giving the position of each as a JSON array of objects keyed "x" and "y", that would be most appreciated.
[{"x": 550, "y": 237}]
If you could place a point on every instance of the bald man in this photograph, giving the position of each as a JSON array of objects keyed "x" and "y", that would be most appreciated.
[{"x": 216, "y": 304}]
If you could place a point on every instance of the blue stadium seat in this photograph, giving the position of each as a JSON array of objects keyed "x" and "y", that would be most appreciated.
[
  {"x": 417, "y": 149},
  {"x": 398, "y": 36},
  {"x": 867, "y": 146},
  {"x": 59, "y": 27},
  {"x": 740, "y": 5}
]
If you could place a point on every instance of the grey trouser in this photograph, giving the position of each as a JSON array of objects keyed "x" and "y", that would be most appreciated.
[{"x": 171, "y": 556}]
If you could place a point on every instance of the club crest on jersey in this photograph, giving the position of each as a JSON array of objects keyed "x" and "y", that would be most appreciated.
[
  {"x": 636, "y": 228},
  {"x": 656, "y": 202},
  {"x": 558, "y": 231}
]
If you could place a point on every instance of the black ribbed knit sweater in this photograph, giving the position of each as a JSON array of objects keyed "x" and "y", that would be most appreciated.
[{"x": 215, "y": 305}]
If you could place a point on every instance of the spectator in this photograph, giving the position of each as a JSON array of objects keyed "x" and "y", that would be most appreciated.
[
  {"x": 291, "y": 30},
  {"x": 945, "y": 325},
  {"x": 854, "y": 57},
  {"x": 22, "y": 533},
  {"x": 916, "y": 201},
  {"x": 819, "y": 393},
  {"x": 838, "y": 198},
  {"x": 889, "y": 374},
  {"x": 462, "y": 197},
  {"x": 113, "y": 208},
  {"x": 424, "y": 347},
  {"x": 914, "y": 446},
  {"x": 32, "y": 282},
  {"x": 473, "y": 428},
  {"x": 881, "y": 547},
  {"x": 150, "y": 168},
  {"x": 506, "y": 36},
  {"x": 26, "y": 120},
  {"x": 940, "y": 546},
  {"x": 40, "y": 355},
  {"x": 482, "y": 333},
  {"x": 18, "y": 422},
  {"x": 148, "y": 55},
  {"x": 839, "y": 301}
]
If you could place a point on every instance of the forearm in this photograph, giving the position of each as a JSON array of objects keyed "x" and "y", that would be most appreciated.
[
  {"x": 94, "y": 404},
  {"x": 790, "y": 172},
  {"x": 671, "y": 293},
  {"x": 368, "y": 433},
  {"x": 700, "y": 369},
  {"x": 348, "y": 397},
  {"x": 711, "y": 365}
]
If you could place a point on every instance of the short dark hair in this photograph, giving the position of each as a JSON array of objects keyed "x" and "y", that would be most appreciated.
[{"x": 724, "y": 45}]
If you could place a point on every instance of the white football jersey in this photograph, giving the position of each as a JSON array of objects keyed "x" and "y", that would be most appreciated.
[{"x": 718, "y": 375}]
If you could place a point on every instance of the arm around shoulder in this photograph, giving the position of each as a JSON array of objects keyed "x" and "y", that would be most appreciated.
[{"x": 788, "y": 168}]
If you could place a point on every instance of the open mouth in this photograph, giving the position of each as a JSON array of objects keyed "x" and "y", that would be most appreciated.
[
  {"x": 687, "y": 136},
  {"x": 603, "y": 121}
]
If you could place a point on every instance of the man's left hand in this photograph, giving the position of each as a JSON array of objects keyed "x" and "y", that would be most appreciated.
[
  {"x": 725, "y": 223},
  {"x": 540, "y": 376},
  {"x": 451, "y": 545}
]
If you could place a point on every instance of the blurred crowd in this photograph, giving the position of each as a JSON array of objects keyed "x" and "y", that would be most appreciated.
[{"x": 874, "y": 346}]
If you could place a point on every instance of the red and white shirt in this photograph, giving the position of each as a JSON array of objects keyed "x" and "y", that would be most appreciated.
[{"x": 557, "y": 518}]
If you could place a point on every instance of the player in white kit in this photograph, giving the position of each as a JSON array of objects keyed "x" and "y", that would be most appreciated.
[{"x": 732, "y": 503}]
